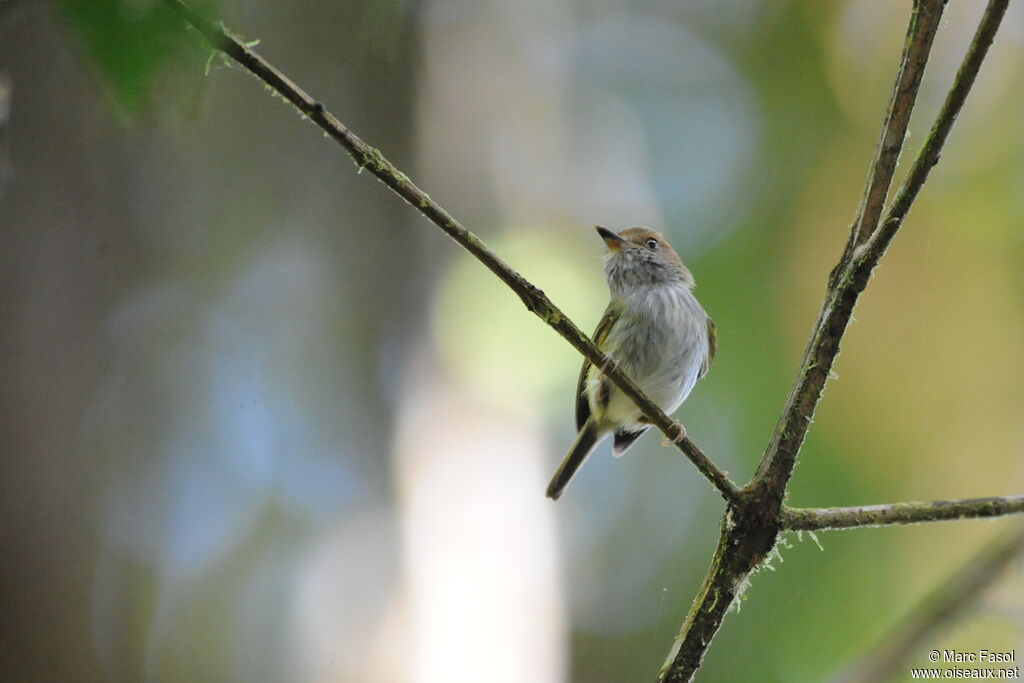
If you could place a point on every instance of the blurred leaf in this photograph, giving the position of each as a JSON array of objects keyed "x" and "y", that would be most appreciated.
[
  {"x": 130, "y": 41},
  {"x": 489, "y": 342}
]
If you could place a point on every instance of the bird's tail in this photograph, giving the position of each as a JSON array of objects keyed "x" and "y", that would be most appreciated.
[{"x": 584, "y": 444}]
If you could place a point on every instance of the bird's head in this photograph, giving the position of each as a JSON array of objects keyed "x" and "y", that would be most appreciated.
[{"x": 640, "y": 257}]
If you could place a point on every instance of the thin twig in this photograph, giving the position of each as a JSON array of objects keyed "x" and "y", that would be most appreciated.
[
  {"x": 535, "y": 300},
  {"x": 932, "y": 149},
  {"x": 815, "y": 519},
  {"x": 894, "y": 130},
  {"x": 942, "y": 605}
]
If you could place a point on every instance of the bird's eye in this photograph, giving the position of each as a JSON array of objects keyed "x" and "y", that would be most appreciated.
[{"x": 652, "y": 244}]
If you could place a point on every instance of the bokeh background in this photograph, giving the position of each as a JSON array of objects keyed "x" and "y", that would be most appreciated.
[{"x": 261, "y": 421}]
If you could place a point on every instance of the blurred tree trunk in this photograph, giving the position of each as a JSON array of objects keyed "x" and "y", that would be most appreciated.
[{"x": 75, "y": 241}]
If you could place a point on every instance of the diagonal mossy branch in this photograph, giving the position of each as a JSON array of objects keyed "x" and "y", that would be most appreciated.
[
  {"x": 815, "y": 519},
  {"x": 535, "y": 300}
]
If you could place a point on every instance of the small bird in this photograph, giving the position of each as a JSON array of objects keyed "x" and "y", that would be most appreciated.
[{"x": 654, "y": 329}]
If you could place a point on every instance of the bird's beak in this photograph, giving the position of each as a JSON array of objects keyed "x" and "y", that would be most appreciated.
[{"x": 613, "y": 241}]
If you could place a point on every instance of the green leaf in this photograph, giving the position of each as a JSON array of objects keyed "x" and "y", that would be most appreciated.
[{"x": 130, "y": 41}]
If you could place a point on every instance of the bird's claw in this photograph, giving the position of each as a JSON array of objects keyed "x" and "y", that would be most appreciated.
[{"x": 680, "y": 436}]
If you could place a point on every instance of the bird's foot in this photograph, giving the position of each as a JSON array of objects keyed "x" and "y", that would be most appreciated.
[{"x": 679, "y": 438}]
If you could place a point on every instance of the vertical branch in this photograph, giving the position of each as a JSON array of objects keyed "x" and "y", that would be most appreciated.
[
  {"x": 846, "y": 283},
  {"x": 744, "y": 542},
  {"x": 924, "y": 21},
  {"x": 750, "y": 530},
  {"x": 955, "y": 98}
]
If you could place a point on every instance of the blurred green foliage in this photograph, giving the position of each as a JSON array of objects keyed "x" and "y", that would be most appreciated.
[{"x": 130, "y": 42}]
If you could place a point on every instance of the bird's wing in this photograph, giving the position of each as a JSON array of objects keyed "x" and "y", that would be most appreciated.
[
  {"x": 611, "y": 314},
  {"x": 712, "y": 348}
]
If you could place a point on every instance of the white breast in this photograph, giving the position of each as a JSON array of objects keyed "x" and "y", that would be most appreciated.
[{"x": 661, "y": 342}]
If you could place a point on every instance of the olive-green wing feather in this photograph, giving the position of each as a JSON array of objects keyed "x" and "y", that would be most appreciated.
[
  {"x": 611, "y": 314},
  {"x": 712, "y": 348}
]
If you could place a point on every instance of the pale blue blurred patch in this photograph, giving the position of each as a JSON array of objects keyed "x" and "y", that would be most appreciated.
[
  {"x": 625, "y": 518},
  {"x": 225, "y": 401},
  {"x": 698, "y": 117}
]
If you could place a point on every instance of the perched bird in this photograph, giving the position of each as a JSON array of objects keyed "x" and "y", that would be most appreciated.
[{"x": 654, "y": 329}]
